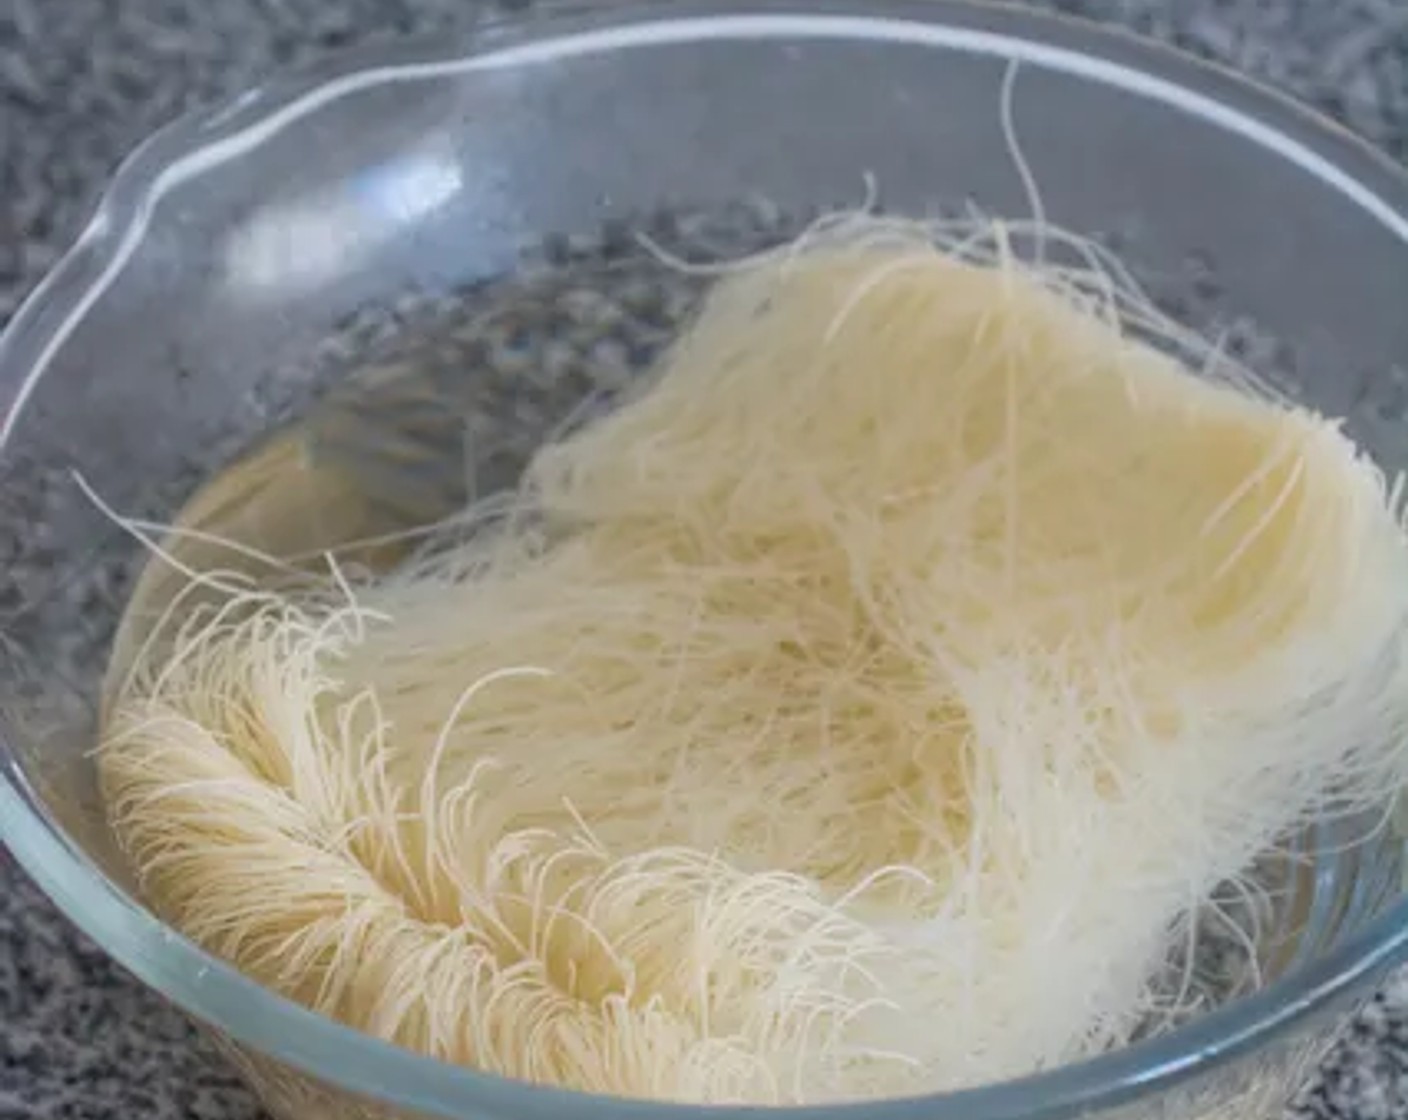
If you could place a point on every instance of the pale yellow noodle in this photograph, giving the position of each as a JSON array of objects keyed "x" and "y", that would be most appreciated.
[{"x": 872, "y": 702}]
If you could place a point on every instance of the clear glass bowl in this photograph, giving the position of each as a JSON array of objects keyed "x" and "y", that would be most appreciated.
[{"x": 234, "y": 241}]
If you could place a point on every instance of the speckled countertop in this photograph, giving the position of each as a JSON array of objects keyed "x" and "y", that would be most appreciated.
[{"x": 82, "y": 80}]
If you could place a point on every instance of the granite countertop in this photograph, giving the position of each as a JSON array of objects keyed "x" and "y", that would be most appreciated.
[{"x": 81, "y": 81}]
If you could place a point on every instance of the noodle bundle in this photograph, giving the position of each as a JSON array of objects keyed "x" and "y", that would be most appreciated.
[{"x": 867, "y": 706}]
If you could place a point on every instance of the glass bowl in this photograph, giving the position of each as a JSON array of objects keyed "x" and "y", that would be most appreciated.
[{"x": 233, "y": 244}]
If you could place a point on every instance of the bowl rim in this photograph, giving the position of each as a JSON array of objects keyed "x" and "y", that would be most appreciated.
[{"x": 339, "y": 1056}]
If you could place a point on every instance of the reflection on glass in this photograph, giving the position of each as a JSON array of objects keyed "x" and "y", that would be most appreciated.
[{"x": 311, "y": 239}]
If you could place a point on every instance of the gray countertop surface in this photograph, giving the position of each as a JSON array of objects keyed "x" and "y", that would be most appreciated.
[{"x": 81, "y": 81}]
